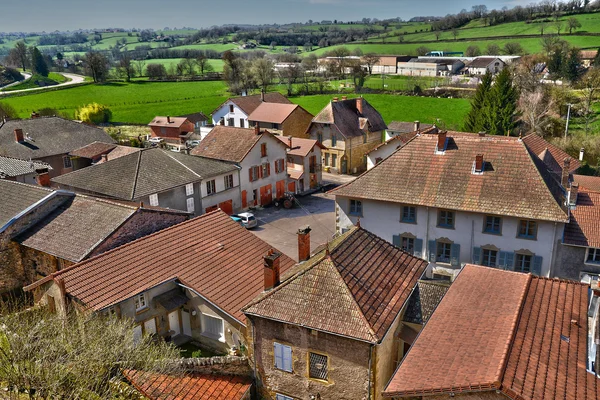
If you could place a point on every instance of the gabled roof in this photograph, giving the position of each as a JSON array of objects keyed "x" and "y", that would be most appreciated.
[
  {"x": 249, "y": 103},
  {"x": 406, "y": 127},
  {"x": 189, "y": 386},
  {"x": 357, "y": 291},
  {"x": 300, "y": 146},
  {"x": 398, "y": 140},
  {"x": 483, "y": 62},
  {"x": 424, "y": 300},
  {"x": 501, "y": 330},
  {"x": 47, "y": 136},
  {"x": 195, "y": 117},
  {"x": 211, "y": 254},
  {"x": 143, "y": 173},
  {"x": 93, "y": 150},
  {"x": 13, "y": 167},
  {"x": 175, "y": 122},
  {"x": 511, "y": 184},
  {"x": 550, "y": 154},
  {"x": 345, "y": 116},
  {"x": 229, "y": 143},
  {"x": 17, "y": 197},
  {"x": 587, "y": 182},
  {"x": 583, "y": 228},
  {"x": 274, "y": 113}
]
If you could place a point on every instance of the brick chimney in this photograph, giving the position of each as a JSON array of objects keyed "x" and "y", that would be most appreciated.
[
  {"x": 104, "y": 157},
  {"x": 481, "y": 134},
  {"x": 271, "y": 263},
  {"x": 19, "y": 135},
  {"x": 43, "y": 177},
  {"x": 34, "y": 115},
  {"x": 344, "y": 97},
  {"x": 335, "y": 99},
  {"x": 359, "y": 104},
  {"x": 168, "y": 119},
  {"x": 479, "y": 163},
  {"x": 441, "y": 143},
  {"x": 564, "y": 179},
  {"x": 256, "y": 128},
  {"x": 303, "y": 243},
  {"x": 573, "y": 194},
  {"x": 417, "y": 125}
]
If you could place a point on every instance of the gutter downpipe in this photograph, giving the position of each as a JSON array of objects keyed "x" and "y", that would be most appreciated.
[
  {"x": 370, "y": 367},
  {"x": 553, "y": 261}
]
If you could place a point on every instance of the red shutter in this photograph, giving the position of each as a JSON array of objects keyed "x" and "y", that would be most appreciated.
[
  {"x": 250, "y": 171},
  {"x": 268, "y": 169}
]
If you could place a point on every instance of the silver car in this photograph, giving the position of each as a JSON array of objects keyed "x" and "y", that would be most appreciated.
[{"x": 248, "y": 220}]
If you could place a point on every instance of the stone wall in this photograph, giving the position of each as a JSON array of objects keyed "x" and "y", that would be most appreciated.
[
  {"x": 225, "y": 365},
  {"x": 297, "y": 123},
  {"x": 570, "y": 262}
]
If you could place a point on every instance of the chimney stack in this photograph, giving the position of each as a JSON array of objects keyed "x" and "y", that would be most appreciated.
[
  {"x": 304, "y": 243},
  {"x": 359, "y": 104},
  {"x": 573, "y": 194},
  {"x": 482, "y": 134},
  {"x": 271, "y": 263},
  {"x": 581, "y": 154},
  {"x": 290, "y": 142},
  {"x": 417, "y": 125},
  {"x": 564, "y": 179},
  {"x": 168, "y": 119},
  {"x": 256, "y": 128},
  {"x": 441, "y": 143},
  {"x": 104, "y": 157},
  {"x": 335, "y": 99},
  {"x": 43, "y": 177},
  {"x": 19, "y": 135},
  {"x": 479, "y": 163},
  {"x": 34, "y": 115}
]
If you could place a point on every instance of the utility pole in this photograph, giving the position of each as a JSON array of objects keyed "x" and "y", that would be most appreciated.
[{"x": 568, "y": 116}]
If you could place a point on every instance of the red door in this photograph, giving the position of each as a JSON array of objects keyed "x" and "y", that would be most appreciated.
[
  {"x": 244, "y": 199},
  {"x": 227, "y": 207},
  {"x": 266, "y": 195},
  {"x": 292, "y": 186},
  {"x": 280, "y": 189}
]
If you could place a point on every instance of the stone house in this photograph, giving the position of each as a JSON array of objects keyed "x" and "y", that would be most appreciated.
[
  {"x": 259, "y": 155},
  {"x": 348, "y": 129},
  {"x": 303, "y": 164},
  {"x": 47, "y": 139},
  {"x": 188, "y": 281},
  {"x": 397, "y": 128},
  {"x": 460, "y": 198},
  {"x": 281, "y": 119},
  {"x": 513, "y": 336},
  {"x": 331, "y": 328},
  {"x": 235, "y": 111},
  {"x": 24, "y": 171},
  {"x": 161, "y": 178}
]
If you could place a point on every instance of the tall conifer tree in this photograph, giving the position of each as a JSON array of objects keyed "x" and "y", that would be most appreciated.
[
  {"x": 475, "y": 121},
  {"x": 502, "y": 104}
]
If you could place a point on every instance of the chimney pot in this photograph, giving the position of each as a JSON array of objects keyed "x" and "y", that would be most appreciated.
[
  {"x": 564, "y": 179},
  {"x": 34, "y": 115},
  {"x": 271, "y": 262},
  {"x": 290, "y": 141},
  {"x": 417, "y": 125},
  {"x": 19, "y": 135},
  {"x": 482, "y": 134},
  {"x": 359, "y": 104},
  {"x": 441, "y": 143},
  {"x": 168, "y": 119},
  {"x": 304, "y": 243},
  {"x": 256, "y": 129},
  {"x": 479, "y": 163},
  {"x": 43, "y": 177},
  {"x": 335, "y": 99}
]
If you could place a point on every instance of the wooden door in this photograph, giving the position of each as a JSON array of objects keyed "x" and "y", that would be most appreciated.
[
  {"x": 266, "y": 195},
  {"x": 292, "y": 186},
  {"x": 280, "y": 189},
  {"x": 211, "y": 208},
  {"x": 227, "y": 207},
  {"x": 244, "y": 199}
]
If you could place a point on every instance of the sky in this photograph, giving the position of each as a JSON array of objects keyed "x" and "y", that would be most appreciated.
[{"x": 62, "y": 15}]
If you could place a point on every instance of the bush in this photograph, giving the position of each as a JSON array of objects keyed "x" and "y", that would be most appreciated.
[
  {"x": 94, "y": 113},
  {"x": 156, "y": 71}
]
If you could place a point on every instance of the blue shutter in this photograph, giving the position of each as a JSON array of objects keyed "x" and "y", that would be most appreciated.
[
  {"x": 418, "y": 248},
  {"x": 476, "y": 255},
  {"x": 455, "y": 255},
  {"x": 502, "y": 259},
  {"x": 510, "y": 261},
  {"x": 537, "y": 265},
  {"x": 396, "y": 240},
  {"x": 278, "y": 351},
  {"x": 287, "y": 358},
  {"x": 431, "y": 250}
]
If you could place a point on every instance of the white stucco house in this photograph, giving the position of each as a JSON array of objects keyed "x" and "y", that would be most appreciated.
[
  {"x": 481, "y": 65},
  {"x": 235, "y": 111}
]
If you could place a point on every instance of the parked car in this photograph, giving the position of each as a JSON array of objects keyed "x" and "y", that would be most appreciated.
[
  {"x": 156, "y": 140},
  {"x": 193, "y": 143},
  {"x": 248, "y": 219}
]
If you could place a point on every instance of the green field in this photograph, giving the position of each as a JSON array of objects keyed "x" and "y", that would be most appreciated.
[{"x": 172, "y": 62}]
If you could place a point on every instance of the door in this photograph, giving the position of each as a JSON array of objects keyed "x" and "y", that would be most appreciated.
[
  {"x": 244, "y": 199},
  {"x": 174, "y": 322},
  {"x": 292, "y": 187},
  {"x": 255, "y": 198},
  {"x": 150, "y": 327},
  {"x": 190, "y": 205},
  {"x": 227, "y": 207},
  {"x": 266, "y": 195},
  {"x": 344, "y": 165},
  {"x": 280, "y": 188},
  {"x": 185, "y": 321}
]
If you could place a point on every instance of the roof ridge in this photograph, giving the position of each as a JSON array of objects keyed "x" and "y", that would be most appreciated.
[
  {"x": 182, "y": 164},
  {"x": 28, "y": 185}
]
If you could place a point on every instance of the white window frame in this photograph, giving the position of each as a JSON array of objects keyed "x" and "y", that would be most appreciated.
[
  {"x": 284, "y": 352},
  {"x": 141, "y": 302},
  {"x": 355, "y": 209},
  {"x": 596, "y": 252},
  {"x": 191, "y": 207},
  {"x": 213, "y": 335},
  {"x": 189, "y": 189},
  {"x": 154, "y": 200},
  {"x": 228, "y": 180},
  {"x": 211, "y": 187}
]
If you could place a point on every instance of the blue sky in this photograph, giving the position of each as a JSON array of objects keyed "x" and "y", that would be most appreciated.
[{"x": 44, "y": 15}]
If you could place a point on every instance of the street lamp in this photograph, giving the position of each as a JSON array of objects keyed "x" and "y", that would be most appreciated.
[{"x": 568, "y": 116}]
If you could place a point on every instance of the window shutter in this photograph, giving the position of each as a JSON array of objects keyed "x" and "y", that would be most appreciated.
[
  {"x": 250, "y": 172},
  {"x": 476, "y": 255},
  {"x": 287, "y": 358},
  {"x": 396, "y": 240},
  {"x": 418, "y": 251},
  {"x": 431, "y": 249},
  {"x": 510, "y": 260},
  {"x": 455, "y": 255},
  {"x": 537, "y": 265},
  {"x": 502, "y": 259},
  {"x": 260, "y": 171},
  {"x": 268, "y": 169},
  {"x": 278, "y": 350}
]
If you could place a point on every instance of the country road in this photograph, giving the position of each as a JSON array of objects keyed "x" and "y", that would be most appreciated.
[{"x": 74, "y": 79}]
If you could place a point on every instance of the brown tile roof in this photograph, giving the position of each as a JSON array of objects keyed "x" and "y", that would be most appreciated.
[
  {"x": 406, "y": 127},
  {"x": 300, "y": 146},
  {"x": 344, "y": 114},
  {"x": 211, "y": 254},
  {"x": 550, "y": 154},
  {"x": 587, "y": 182},
  {"x": 584, "y": 227},
  {"x": 295, "y": 174},
  {"x": 190, "y": 386},
  {"x": 121, "y": 151},
  {"x": 501, "y": 330},
  {"x": 93, "y": 150},
  {"x": 249, "y": 103},
  {"x": 356, "y": 291},
  {"x": 17, "y": 197},
  {"x": 228, "y": 143},
  {"x": 195, "y": 117},
  {"x": 588, "y": 54},
  {"x": 422, "y": 177},
  {"x": 160, "y": 121},
  {"x": 12, "y": 167},
  {"x": 272, "y": 112}
]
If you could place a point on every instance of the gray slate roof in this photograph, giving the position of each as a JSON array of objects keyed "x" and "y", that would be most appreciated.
[
  {"x": 406, "y": 127},
  {"x": 16, "y": 197},
  {"x": 424, "y": 300},
  {"x": 344, "y": 114},
  {"x": 49, "y": 136},
  {"x": 11, "y": 167},
  {"x": 140, "y": 174}
]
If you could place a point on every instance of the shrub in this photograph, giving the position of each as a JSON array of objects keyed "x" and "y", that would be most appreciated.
[{"x": 94, "y": 113}]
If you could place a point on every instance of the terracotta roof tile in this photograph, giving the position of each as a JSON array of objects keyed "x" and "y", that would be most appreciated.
[
  {"x": 552, "y": 155},
  {"x": 93, "y": 150},
  {"x": 584, "y": 227},
  {"x": 422, "y": 177},
  {"x": 272, "y": 112},
  {"x": 249, "y": 103},
  {"x": 587, "y": 182},
  {"x": 300, "y": 146},
  {"x": 357, "y": 291},
  {"x": 176, "y": 122}
]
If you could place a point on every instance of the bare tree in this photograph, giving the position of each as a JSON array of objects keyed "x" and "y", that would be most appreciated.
[
  {"x": 589, "y": 86},
  {"x": 535, "y": 108},
  {"x": 437, "y": 34},
  {"x": 203, "y": 64},
  {"x": 126, "y": 67},
  {"x": 21, "y": 52},
  {"x": 558, "y": 25},
  {"x": 455, "y": 33},
  {"x": 140, "y": 67},
  {"x": 573, "y": 23},
  {"x": 541, "y": 27},
  {"x": 97, "y": 66},
  {"x": 263, "y": 71},
  {"x": 371, "y": 59},
  {"x": 289, "y": 76}
]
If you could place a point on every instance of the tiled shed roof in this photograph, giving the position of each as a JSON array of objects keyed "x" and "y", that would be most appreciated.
[
  {"x": 587, "y": 182},
  {"x": 13, "y": 167},
  {"x": 93, "y": 150},
  {"x": 356, "y": 291},
  {"x": 583, "y": 228},
  {"x": 346, "y": 117},
  {"x": 272, "y": 112},
  {"x": 175, "y": 122},
  {"x": 189, "y": 386},
  {"x": 550, "y": 154},
  {"x": 16, "y": 197},
  {"x": 300, "y": 146},
  {"x": 511, "y": 184}
]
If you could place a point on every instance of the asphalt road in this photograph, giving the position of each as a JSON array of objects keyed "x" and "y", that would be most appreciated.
[{"x": 74, "y": 79}]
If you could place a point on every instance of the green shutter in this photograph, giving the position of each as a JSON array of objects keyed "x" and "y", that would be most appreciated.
[
  {"x": 396, "y": 240},
  {"x": 476, "y": 255},
  {"x": 418, "y": 248},
  {"x": 431, "y": 250},
  {"x": 502, "y": 259},
  {"x": 510, "y": 261},
  {"x": 455, "y": 255},
  {"x": 537, "y": 265}
]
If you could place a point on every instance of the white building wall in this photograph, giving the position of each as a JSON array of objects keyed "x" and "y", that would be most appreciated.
[
  {"x": 383, "y": 219},
  {"x": 221, "y": 193},
  {"x": 237, "y": 114},
  {"x": 383, "y": 152}
]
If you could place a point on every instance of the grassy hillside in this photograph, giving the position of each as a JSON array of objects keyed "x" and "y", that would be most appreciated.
[{"x": 37, "y": 81}]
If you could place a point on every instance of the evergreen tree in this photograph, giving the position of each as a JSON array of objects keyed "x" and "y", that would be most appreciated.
[
  {"x": 570, "y": 68},
  {"x": 596, "y": 62},
  {"x": 475, "y": 122},
  {"x": 502, "y": 104},
  {"x": 38, "y": 63}
]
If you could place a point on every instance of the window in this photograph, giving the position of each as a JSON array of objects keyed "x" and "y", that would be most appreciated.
[
  {"x": 228, "y": 181},
  {"x": 154, "y": 200},
  {"x": 190, "y": 205},
  {"x": 231, "y": 108},
  {"x": 527, "y": 229},
  {"x": 279, "y": 396},
  {"x": 446, "y": 219},
  {"x": 274, "y": 126},
  {"x": 593, "y": 256},
  {"x": 263, "y": 149},
  {"x": 356, "y": 208},
  {"x": 283, "y": 357},
  {"x": 320, "y": 137},
  {"x": 230, "y": 122},
  {"x": 189, "y": 189},
  {"x": 266, "y": 170},
  {"x": 408, "y": 244},
  {"x": 327, "y": 159},
  {"x": 242, "y": 123},
  {"x": 333, "y": 140},
  {"x": 67, "y": 162},
  {"x": 334, "y": 160},
  {"x": 493, "y": 225},
  {"x": 489, "y": 258},
  {"x": 212, "y": 327},
  {"x": 140, "y": 302},
  {"x": 409, "y": 214},
  {"x": 210, "y": 187},
  {"x": 254, "y": 173},
  {"x": 523, "y": 263},
  {"x": 279, "y": 165},
  {"x": 443, "y": 252},
  {"x": 317, "y": 366}
]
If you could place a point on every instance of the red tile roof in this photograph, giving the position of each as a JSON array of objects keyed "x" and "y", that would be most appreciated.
[
  {"x": 584, "y": 227},
  {"x": 552, "y": 155},
  {"x": 192, "y": 386},
  {"x": 211, "y": 254},
  {"x": 422, "y": 177},
  {"x": 176, "y": 122},
  {"x": 272, "y": 112},
  {"x": 300, "y": 147},
  {"x": 587, "y": 182},
  {"x": 356, "y": 291},
  {"x": 501, "y": 330},
  {"x": 249, "y": 103}
]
